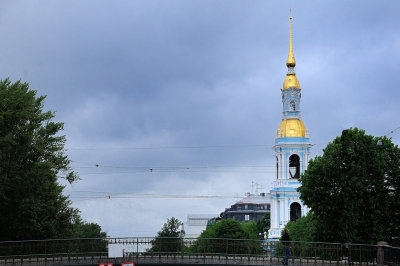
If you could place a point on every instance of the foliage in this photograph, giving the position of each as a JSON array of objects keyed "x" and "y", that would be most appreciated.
[
  {"x": 263, "y": 225},
  {"x": 217, "y": 238},
  {"x": 81, "y": 229},
  {"x": 169, "y": 239},
  {"x": 32, "y": 155},
  {"x": 251, "y": 229},
  {"x": 353, "y": 189},
  {"x": 231, "y": 229},
  {"x": 87, "y": 237},
  {"x": 303, "y": 229}
]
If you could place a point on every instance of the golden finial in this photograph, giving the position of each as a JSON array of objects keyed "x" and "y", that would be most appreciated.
[{"x": 290, "y": 62}]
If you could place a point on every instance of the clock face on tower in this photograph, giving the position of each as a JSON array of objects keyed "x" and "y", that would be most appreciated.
[{"x": 292, "y": 105}]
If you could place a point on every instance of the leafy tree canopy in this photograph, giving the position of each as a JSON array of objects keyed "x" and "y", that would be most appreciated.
[
  {"x": 169, "y": 239},
  {"x": 302, "y": 229},
  {"x": 215, "y": 238},
  {"x": 353, "y": 189},
  {"x": 32, "y": 155},
  {"x": 233, "y": 229},
  {"x": 172, "y": 228},
  {"x": 263, "y": 225},
  {"x": 228, "y": 229},
  {"x": 81, "y": 229}
]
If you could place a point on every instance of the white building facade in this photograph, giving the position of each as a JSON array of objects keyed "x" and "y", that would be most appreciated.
[{"x": 196, "y": 224}]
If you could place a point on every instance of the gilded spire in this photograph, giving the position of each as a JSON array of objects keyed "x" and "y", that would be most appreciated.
[
  {"x": 290, "y": 62},
  {"x": 291, "y": 79}
]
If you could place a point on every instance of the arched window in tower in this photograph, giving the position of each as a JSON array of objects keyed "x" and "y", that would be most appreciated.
[
  {"x": 277, "y": 168},
  {"x": 294, "y": 166},
  {"x": 295, "y": 211},
  {"x": 292, "y": 105}
]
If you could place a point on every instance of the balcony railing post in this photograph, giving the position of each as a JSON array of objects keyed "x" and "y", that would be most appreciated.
[
  {"x": 380, "y": 256},
  {"x": 45, "y": 252},
  {"x": 315, "y": 254},
  {"x": 22, "y": 252},
  {"x": 337, "y": 254},
  {"x": 137, "y": 247}
]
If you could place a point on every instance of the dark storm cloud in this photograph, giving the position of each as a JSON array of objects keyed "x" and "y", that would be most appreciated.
[
  {"x": 153, "y": 55},
  {"x": 168, "y": 75}
]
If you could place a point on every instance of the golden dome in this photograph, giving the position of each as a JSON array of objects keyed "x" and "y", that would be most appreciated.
[
  {"x": 291, "y": 128},
  {"x": 290, "y": 62},
  {"x": 291, "y": 81}
]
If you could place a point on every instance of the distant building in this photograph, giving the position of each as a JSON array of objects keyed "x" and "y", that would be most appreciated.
[
  {"x": 196, "y": 223},
  {"x": 250, "y": 208}
]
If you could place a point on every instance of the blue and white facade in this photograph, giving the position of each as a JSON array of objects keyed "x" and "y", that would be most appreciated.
[
  {"x": 292, "y": 151},
  {"x": 285, "y": 200}
]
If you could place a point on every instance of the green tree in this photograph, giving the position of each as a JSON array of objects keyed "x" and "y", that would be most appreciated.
[
  {"x": 91, "y": 238},
  {"x": 32, "y": 156},
  {"x": 231, "y": 229},
  {"x": 263, "y": 225},
  {"x": 353, "y": 189},
  {"x": 252, "y": 230},
  {"x": 169, "y": 239},
  {"x": 81, "y": 229},
  {"x": 228, "y": 236},
  {"x": 302, "y": 229}
]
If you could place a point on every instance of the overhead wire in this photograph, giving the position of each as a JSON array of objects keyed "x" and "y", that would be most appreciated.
[
  {"x": 115, "y": 174},
  {"x": 166, "y": 147},
  {"x": 243, "y": 169},
  {"x": 267, "y": 168},
  {"x": 72, "y": 148},
  {"x": 170, "y": 171},
  {"x": 175, "y": 167},
  {"x": 392, "y": 131},
  {"x": 79, "y": 195}
]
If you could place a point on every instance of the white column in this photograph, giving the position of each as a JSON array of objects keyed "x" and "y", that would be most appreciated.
[
  {"x": 273, "y": 212},
  {"x": 282, "y": 214},
  {"x": 281, "y": 165}
]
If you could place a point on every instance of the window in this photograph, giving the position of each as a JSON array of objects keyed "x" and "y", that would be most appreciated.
[
  {"x": 295, "y": 211},
  {"x": 247, "y": 217},
  {"x": 294, "y": 166},
  {"x": 292, "y": 105}
]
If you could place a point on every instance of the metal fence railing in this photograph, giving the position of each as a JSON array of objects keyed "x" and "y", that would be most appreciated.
[
  {"x": 188, "y": 249},
  {"x": 392, "y": 256}
]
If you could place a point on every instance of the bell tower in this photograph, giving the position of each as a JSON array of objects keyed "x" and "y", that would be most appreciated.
[{"x": 292, "y": 150}]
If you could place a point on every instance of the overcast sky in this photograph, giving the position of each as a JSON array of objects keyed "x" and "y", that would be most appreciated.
[{"x": 191, "y": 90}]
